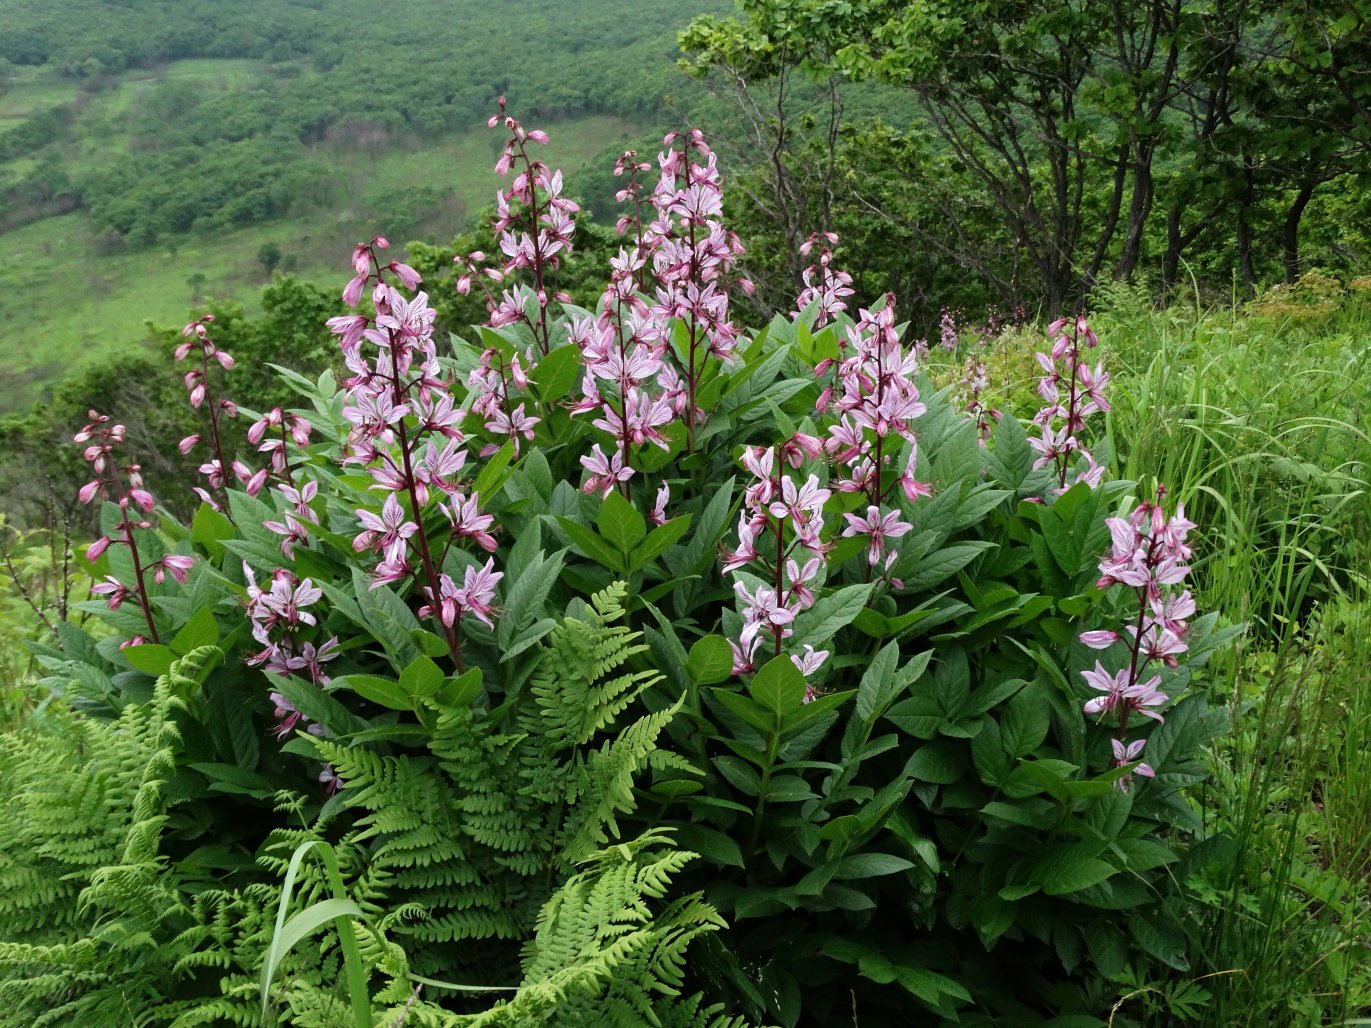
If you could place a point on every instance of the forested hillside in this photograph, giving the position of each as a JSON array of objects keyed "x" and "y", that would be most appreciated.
[{"x": 152, "y": 154}]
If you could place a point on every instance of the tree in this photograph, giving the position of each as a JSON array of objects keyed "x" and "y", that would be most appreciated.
[
  {"x": 269, "y": 256},
  {"x": 1075, "y": 121}
]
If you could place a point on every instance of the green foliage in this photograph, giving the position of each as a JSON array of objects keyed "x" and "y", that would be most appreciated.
[
  {"x": 572, "y": 782},
  {"x": 1255, "y": 423},
  {"x": 140, "y": 389},
  {"x": 1277, "y": 889},
  {"x": 109, "y": 915},
  {"x": 1103, "y": 138}
]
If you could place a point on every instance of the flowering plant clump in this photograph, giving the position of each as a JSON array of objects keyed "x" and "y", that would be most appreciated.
[
  {"x": 1149, "y": 555},
  {"x": 824, "y": 285},
  {"x": 780, "y": 535},
  {"x": 123, "y": 485},
  {"x": 1073, "y": 391},
  {"x": 974, "y": 383},
  {"x": 875, "y": 402},
  {"x": 855, "y": 686},
  {"x": 200, "y": 388},
  {"x": 405, "y": 433}
]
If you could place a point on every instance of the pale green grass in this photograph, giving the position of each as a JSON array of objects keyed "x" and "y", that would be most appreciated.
[
  {"x": 25, "y": 97},
  {"x": 221, "y": 70}
]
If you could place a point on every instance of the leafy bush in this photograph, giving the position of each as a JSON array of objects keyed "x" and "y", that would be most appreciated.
[{"x": 658, "y": 671}]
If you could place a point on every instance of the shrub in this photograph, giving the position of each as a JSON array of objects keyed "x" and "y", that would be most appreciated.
[{"x": 658, "y": 669}]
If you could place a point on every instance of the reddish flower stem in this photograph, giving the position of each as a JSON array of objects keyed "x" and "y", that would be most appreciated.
[{"x": 126, "y": 526}]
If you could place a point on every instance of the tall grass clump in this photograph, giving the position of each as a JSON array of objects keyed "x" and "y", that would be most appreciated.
[
  {"x": 1257, "y": 419},
  {"x": 1258, "y": 423}
]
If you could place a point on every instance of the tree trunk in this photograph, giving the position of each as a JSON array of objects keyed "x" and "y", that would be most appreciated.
[
  {"x": 1244, "y": 232},
  {"x": 1291, "y": 232},
  {"x": 1139, "y": 208}
]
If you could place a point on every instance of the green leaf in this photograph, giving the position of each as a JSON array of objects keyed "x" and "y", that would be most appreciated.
[
  {"x": 658, "y": 541},
  {"x": 620, "y": 522},
  {"x": 421, "y": 678},
  {"x": 815, "y": 709},
  {"x": 209, "y": 529},
  {"x": 750, "y": 711},
  {"x": 592, "y": 545},
  {"x": 429, "y": 643},
  {"x": 941, "y": 762},
  {"x": 988, "y": 755},
  {"x": 710, "y": 661},
  {"x": 830, "y": 614},
  {"x": 700, "y": 550},
  {"x": 1145, "y": 854},
  {"x": 150, "y": 658},
  {"x": 460, "y": 691},
  {"x": 778, "y": 686},
  {"x": 487, "y": 482},
  {"x": 535, "y": 474},
  {"x": 927, "y": 986},
  {"x": 1161, "y": 940},
  {"x": 1030, "y": 813},
  {"x": 231, "y": 778},
  {"x": 877, "y": 688},
  {"x": 919, "y": 715},
  {"x": 200, "y": 630},
  {"x": 385, "y": 691},
  {"x": 943, "y": 564},
  {"x": 317, "y": 705},
  {"x": 317, "y": 915},
  {"x": 1025, "y": 722},
  {"x": 556, "y": 373},
  {"x": 710, "y": 843},
  {"x": 1071, "y": 871},
  {"x": 871, "y": 865},
  {"x": 740, "y": 775},
  {"x": 992, "y": 917}
]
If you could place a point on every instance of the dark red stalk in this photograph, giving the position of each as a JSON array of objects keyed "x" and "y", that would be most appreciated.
[
  {"x": 126, "y": 526},
  {"x": 430, "y": 574},
  {"x": 214, "y": 430}
]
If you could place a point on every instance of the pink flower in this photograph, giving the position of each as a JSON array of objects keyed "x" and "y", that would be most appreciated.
[
  {"x": 763, "y": 609},
  {"x": 657, "y": 516},
  {"x": 312, "y": 660},
  {"x": 291, "y": 529},
  {"x": 175, "y": 565},
  {"x": 605, "y": 472},
  {"x": 879, "y": 527},
  {"x": 799, "y": 502},
  {"x": 382, "y": 531},
  {"x": 746, "y": 552},
  {"x": 477, "y": 594},
  {"x": 1125, "y": 755},
  {"x": 1111, "y": 685},
  {"x": 745, "y": 655},
  {"x": 468, "y": 521},
  {"x": 1145, "y": 697},
  {"x": 407, "y": 275},
  {"x": 811, "y": 661},
  {"x": 394, "y": 566},
  {"x": 112, "y": 588}
]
